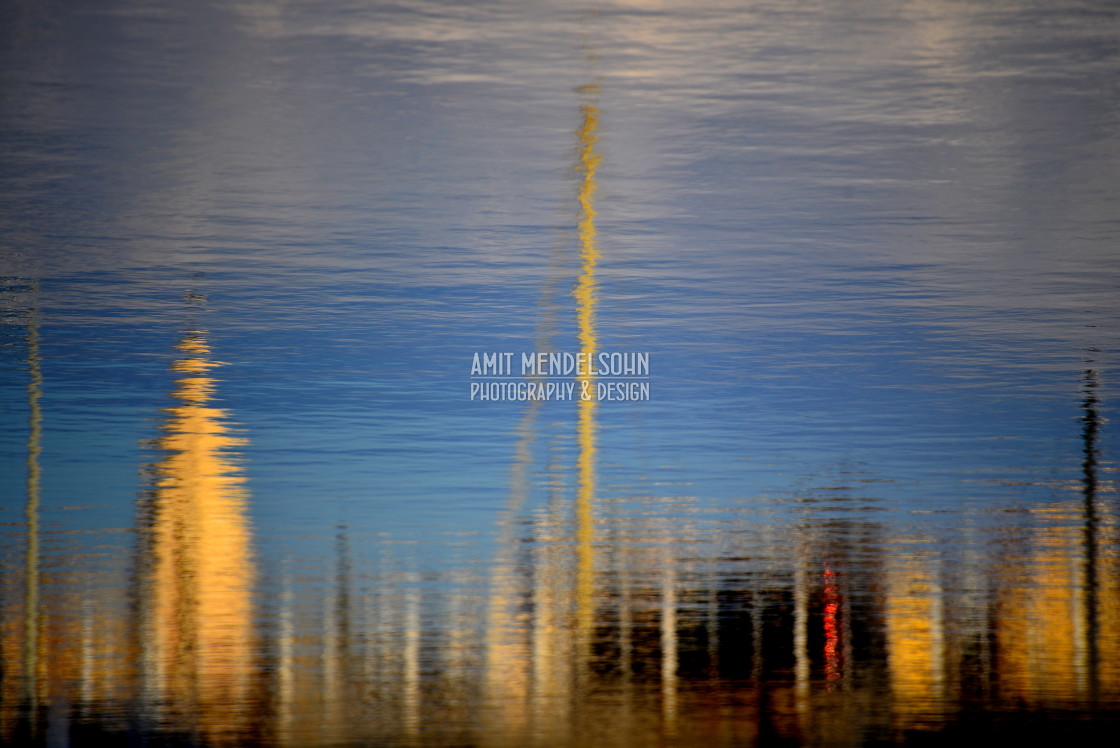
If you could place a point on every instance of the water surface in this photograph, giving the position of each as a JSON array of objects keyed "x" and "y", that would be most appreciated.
[{"x": 250, "y": 249}]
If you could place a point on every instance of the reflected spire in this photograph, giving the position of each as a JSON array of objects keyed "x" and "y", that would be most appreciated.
[
  {"x": 586, "y": 295},
  {"x": 196, "y": 541}
]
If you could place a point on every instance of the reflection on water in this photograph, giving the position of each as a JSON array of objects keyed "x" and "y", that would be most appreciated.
[
  {"x": 602, "y": 623},
  {"x": 195, "y": 571},
  {"x": 1065, "y": 608},
  {"x": 175, "y": 647},
  {"x": 32, "y": 622},
  {"x": 872, "y": 247}
]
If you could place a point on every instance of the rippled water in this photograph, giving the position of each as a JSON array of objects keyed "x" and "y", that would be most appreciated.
[{"x": 250, "y": 248}]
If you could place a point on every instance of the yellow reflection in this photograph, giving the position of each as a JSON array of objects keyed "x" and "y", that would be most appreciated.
[
  {"x": 197, "y": 608},
  {"x": 1041, "y": 640},
  {"x": 915, "y": 631},
  {"x": 586, "y": 294},
  {"x": 32, "y": 619},
  {"x": 536, "y": 663},
  {"x": 1052, "y": 623},
  {"x": 1057, "y": 626}
]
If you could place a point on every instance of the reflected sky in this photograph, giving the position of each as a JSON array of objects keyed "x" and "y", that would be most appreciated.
[{"x": 870, "y": 247}]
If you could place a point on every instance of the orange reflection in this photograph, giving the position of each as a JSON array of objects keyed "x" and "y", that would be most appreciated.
[
  {"x": 586, "y": 294},
  {"x": 915, "y": 631},
  {"x": 833, "y": 665},
  {"x": 196, "y": 618}
]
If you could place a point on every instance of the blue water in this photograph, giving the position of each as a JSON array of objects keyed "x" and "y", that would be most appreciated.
[{"x": 870, "y": 248}]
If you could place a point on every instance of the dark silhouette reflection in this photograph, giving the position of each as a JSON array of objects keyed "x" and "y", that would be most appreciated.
[{"x": 1090, "y": 426}]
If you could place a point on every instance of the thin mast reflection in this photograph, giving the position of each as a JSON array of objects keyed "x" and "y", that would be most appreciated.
[
  {"x": 537, "y": 664},
  {"x": 586, "y": 294},
  {"x": 196, "y": 607},
  {"x": 1091, "y": 424}
]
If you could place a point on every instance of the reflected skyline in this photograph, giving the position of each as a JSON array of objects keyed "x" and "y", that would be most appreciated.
[
  {"x": 648, "y": 633},
  {"x": 586, "y": 295},
  {"x": 869, "y": 247}
]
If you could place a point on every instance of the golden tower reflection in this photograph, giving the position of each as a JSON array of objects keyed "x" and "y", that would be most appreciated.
[{"x": 196, "y": 610}]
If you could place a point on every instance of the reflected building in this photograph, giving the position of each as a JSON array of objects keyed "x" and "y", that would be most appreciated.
[
  {"x": 1059, "y": 618},
  {"x": 915, "y": 628},
  {"x": 196, "y": 570},
  {"x": 585, "y": 637},
  {"x": 1057, "y": 635}
]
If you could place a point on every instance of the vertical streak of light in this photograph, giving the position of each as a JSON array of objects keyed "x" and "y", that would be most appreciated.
[
  {"x": 801, "y": 639},
  {"x": 411, "y": 715},
  {"x": 455, "y": 653},
  {"x": 507, "y": 673},
  {"x": 85, "y": 669},
  {"x": 846, "y": 638},
  {"x": 833, "y": 662},
  {"x": 543, "y": 677},
  {"x": 284, "y": 674},
  {"x": 586, "y": 295},
  {"x": 31, "y": 512},
  {"x": 626, "y": 643},
  {"x": 937, "y": 624},
  {"x": 342, "y": 644},
  {"x": 669, "y": 656}
]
